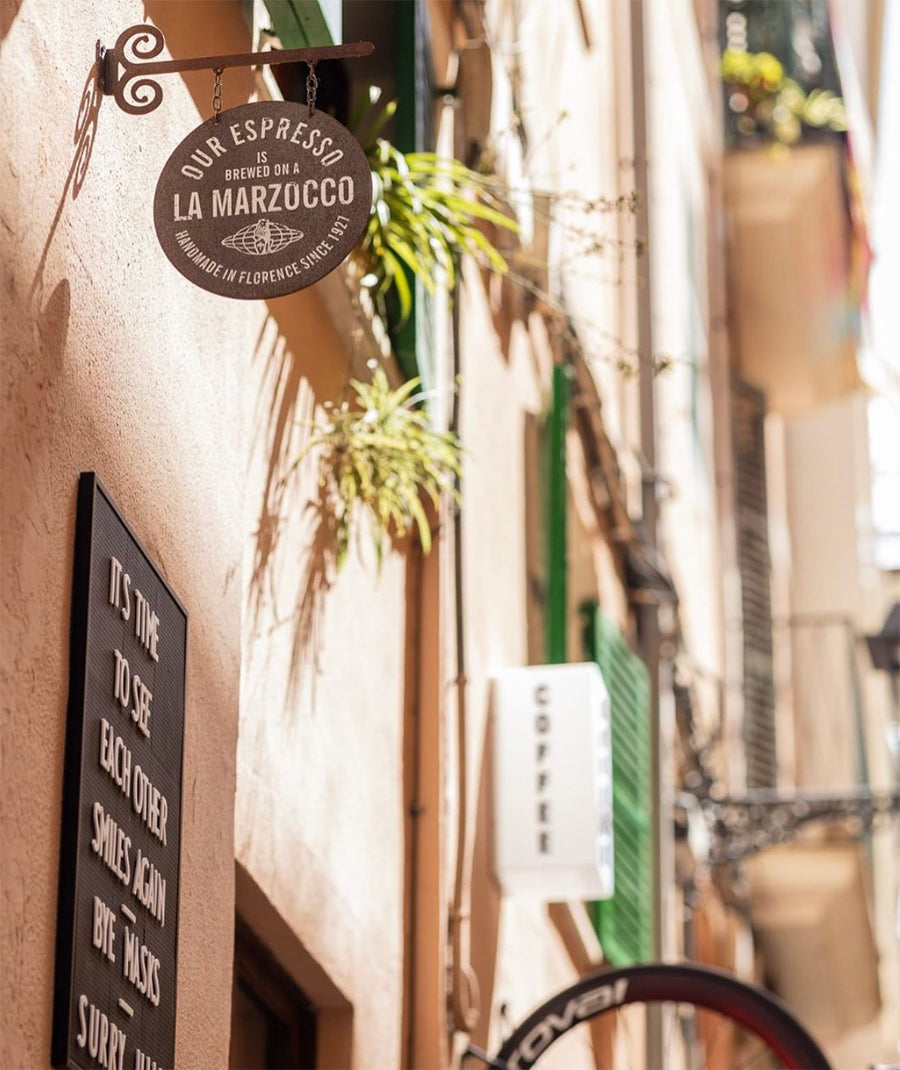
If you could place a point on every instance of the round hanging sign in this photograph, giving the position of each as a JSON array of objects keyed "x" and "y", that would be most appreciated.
[{"x": 264, "y": 202}]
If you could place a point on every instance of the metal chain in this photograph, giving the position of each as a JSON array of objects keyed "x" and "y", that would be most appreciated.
[
  {"x": 312, "y": 84},
  {"x": 217, "y": 94}
]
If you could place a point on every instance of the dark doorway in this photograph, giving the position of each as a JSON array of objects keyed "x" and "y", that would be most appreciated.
[{"x": 273, "y": 1024}]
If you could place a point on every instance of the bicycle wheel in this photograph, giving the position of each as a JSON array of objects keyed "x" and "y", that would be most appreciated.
[{"x": 710, "y": 1019}]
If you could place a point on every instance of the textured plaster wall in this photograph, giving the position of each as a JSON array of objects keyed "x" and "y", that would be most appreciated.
[
  {"x": 111, "y": 362},
  {"x": 517, "y": 955},
  {"x": 573, "y": 154},
  {"x": 684, "y": 138},
  {"x": 577, "y": 140},
  {"x": 319, "y": 800},
  {"x": 827, "y": 488}
]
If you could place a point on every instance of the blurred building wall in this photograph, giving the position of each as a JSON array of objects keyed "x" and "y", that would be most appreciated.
[{"x": 794, "y": 235}]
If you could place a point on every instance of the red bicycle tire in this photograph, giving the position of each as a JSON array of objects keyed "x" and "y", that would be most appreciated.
[{"x": 603, "y": 992}]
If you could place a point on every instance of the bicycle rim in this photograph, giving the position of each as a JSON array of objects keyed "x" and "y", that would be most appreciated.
[{"x": 709, "y": 1019}]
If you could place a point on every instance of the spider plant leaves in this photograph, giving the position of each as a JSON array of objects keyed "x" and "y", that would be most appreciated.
[
  {"x": 384, "y": 402},
  {"x": 383, "y": 211},
  {"x": 476, "y": 240},
  {"x": 457, "y": 208},
  {"x": 363, "y": 107},
  {"x": 427, "y": 211},
  {"x": 408, "y": 254},
  {"x": 422, "y": 523},
  {"x": 375, "y": 127},
  {"x": 381, "y": 454},
  {"x": 394, "y": 275}
]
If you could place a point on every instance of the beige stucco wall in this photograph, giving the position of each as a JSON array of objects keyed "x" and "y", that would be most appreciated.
[
  {"x": 685, "y": 139},
  {"x": 111, "y": 362},
  {"x": 837, "y": 595},
  {"x": 518, "y": 954},
  {"x": 319, "y": 818}
]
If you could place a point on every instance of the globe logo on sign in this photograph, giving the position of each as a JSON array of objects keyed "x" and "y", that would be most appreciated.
[{"x": 262, "y": 238}]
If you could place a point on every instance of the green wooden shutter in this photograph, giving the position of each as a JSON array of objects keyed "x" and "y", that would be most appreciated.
[
  {"x": 413, "y": 343},
  {"x": 557, "y": 517},
  {"x": 305, "y": 23},
  {"x": 625, "y": 923}
]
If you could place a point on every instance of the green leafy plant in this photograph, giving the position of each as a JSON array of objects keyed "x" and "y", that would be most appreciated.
[
  {"x": 767, "y": 102},
  {"x": 381, "y": 454},
  {"x": 426, "y": 211}
]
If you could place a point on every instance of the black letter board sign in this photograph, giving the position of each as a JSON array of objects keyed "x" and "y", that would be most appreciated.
[{"x": 117, "y": 929}]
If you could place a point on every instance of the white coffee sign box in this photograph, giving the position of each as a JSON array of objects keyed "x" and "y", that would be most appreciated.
[{"x": 553, "y": 783}]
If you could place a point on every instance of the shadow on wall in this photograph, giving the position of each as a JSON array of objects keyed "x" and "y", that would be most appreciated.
[
  {"x": 185, "y": 35},
  {"x": 83, "y": 139},
  {"x": 303, "y": 366},
  {"x": 8, "y": 11},
  {"x": 53, "y": 327},
  {"x": 213, "y": 27},
  {"x": 296, "y": 345}
]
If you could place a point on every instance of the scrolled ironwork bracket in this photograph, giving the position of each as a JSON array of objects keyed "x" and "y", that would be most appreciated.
[
  {"x": 741, "y": 826},
  {"x": 128, "y": 70}
]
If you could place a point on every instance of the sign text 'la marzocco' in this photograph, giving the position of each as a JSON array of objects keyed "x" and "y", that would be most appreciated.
[{"x": 264, "y": 202}]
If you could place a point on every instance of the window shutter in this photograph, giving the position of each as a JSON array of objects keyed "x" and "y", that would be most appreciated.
[
  {"x": 749, "y": 413},
  {"x": 414, "y": 342},
  {"x": 557, "y": 517},
  {"x": 625, "y": 923}
]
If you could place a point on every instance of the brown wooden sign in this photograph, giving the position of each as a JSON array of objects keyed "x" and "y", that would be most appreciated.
[
  {"x": 120, "y": 852},
  {"x": 264, "y": 202}
]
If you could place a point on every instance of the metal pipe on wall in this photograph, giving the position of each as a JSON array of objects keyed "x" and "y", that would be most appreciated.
[
  {"x": 414, "y": 792},
  {"x": 464, "y": 990},
  {"x": 648, "y": 613}
]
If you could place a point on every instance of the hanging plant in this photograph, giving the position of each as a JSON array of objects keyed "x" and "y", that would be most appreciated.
[
  {"x": 379, "y": 454},
  {"x": 766, "y": 101},
  {"x": 426, "y": 211}
]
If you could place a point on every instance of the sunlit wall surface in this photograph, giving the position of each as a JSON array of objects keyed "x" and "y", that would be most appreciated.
[{"x": 882, "y": 365}]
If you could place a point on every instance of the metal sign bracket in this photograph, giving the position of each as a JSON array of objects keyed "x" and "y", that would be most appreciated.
[{"x": 127, "y": 70}]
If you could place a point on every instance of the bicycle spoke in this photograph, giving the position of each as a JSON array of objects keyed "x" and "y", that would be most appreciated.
[
  {"x": 670, "y": 1025},
  {"x": 629, "y": 1038},
  {"x": 720, "y": 1024},
  {"x": 753, "y": 1050}
]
